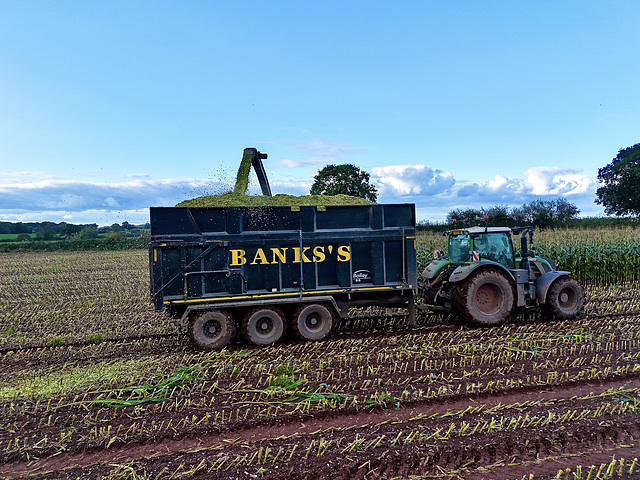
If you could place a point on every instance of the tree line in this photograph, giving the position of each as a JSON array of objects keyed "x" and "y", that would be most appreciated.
[
  {"x": 34, "y": 231},
  {"x": 539, "y": 213}
]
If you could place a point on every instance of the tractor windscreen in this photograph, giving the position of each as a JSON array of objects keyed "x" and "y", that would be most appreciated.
[
  {"x": 495, "y": 246},
  {"x": 459, "y": 250}
]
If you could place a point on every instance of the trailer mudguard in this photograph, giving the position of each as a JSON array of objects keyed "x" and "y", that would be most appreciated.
[{"x": 544, "y": 282}]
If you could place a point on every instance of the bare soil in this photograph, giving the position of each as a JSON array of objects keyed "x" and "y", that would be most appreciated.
[{"x": 524, "y": 400}]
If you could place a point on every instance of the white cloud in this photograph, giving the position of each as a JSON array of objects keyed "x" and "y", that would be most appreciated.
[
  {"x": 111, "y": 202},
  {"x": 402, "y": 180},
  {"x": 538, "y": 182},
  {"x": 86, "y": 202},
  {"x": 436, "y": 192},
  {"x": 558, "y": 181}
]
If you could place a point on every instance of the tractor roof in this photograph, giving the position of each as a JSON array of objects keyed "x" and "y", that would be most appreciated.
[
  {"x": 478, "y": 229},
  {"x": 488, "y": 229}
]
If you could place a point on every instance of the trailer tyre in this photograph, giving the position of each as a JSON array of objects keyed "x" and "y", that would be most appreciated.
[
  {"x": 264, "y": 325},
  {"x": 314, "y": 321},
  {"x": 212, "y": 330},
  {"x": 565, "y": 298},
  {"x": 486, "y": 298}
]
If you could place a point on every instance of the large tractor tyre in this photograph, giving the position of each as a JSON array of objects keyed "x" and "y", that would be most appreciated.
[
  {"x": 486, "y": 298},
  {"x": 314, "y": 321},
  {"x": 565, "y": 299},
  {"x": 212, "y": 330},
  {"x": 263, "y": 325}
]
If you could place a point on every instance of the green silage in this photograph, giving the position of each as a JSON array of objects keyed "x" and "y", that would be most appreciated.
[
  {"x": 232, "y": 199},
  {"x": 242, "y": 178}
]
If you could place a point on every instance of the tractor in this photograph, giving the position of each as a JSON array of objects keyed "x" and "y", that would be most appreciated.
[{"x": 484, "y": 280}]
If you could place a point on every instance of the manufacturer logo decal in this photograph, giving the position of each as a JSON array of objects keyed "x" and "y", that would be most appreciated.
[{"x": 361, "y": 276}]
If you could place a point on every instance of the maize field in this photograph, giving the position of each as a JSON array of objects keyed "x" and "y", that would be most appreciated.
[{"x": 95, "y": 384}]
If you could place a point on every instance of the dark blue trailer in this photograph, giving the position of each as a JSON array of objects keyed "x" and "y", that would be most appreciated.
[{"x": 264, "y": 269}]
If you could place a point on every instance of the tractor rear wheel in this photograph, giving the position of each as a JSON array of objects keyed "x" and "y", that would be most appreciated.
[
  {"x": 565, "y": 298},
  {"x": 314, "y": 321},
  {"x": 486, "y": 298},
  {"x": 263, "y": 325},
  {"x": 212, "y": 330}
]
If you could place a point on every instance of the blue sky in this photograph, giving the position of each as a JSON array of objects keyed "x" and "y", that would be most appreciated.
[{"x": 107, "y": 108}]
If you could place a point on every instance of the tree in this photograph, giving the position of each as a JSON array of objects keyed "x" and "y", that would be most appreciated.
[
  {"x": 546, "y": 213},
  {"x": 620, "y": 194},
  {"x": 563, "y": 211},
  {"x": 69, "y": 229},
  {"x": 89, "y": 231},
  {"x": 497, "y": 216},
  {"x": 465, "y": 218},
  {"x": 344, "y": 179},
  {"x": 113, "y": 237},
  {"x": 45, "y": 232}
]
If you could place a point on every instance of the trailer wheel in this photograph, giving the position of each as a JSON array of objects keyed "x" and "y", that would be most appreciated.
[
  {"x": 263, "y": 325},
  {"x": 212, "y": 330},
  {"x": 313, "y": 321},
  {"x": 486, "y": 298},
  {"x": 565, "y": 298}
]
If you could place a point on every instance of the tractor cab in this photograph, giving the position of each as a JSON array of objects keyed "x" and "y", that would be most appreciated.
[{"x": 482, "y": 243}]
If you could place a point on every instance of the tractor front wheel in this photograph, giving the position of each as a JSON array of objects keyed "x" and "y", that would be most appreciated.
[
  {"x": 486, "y": 298},
  {"x": 565, "y": 298}
]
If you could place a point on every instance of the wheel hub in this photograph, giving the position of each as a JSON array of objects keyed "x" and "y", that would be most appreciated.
[
  {"x": 488, "y": 299},
  {"x": 265, "y": 326},
  {"x": 211, "y": 328},
  {"x": 567, "y": 298}
]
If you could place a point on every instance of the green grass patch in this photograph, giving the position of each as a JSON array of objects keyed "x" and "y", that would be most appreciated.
[
  {"x": 95, "y": 338},
  {"x": 56, "y": 342},
  {"x": 32, "y": 385}
]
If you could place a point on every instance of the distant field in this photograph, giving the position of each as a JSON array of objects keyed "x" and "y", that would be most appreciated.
[{"x": 9, "y": 236}]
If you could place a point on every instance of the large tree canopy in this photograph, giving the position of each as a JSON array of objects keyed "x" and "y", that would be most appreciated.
[
  {"x": 620, "y": 194},
  {"x": 344, "y": 179}
]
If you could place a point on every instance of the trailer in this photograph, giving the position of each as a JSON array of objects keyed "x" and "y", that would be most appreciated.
[{"x": 263, "y": 270}]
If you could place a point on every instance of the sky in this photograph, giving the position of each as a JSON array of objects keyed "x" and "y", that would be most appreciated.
[{"x": 108, "y": 108}]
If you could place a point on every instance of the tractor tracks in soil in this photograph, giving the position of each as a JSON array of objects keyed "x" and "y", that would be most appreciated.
[
  {"x": 17, "y": 358},
  {"x": 613, "y": 437}
]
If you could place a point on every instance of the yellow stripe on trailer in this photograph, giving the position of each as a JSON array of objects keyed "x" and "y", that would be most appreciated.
[{"x": 283, "y": 294}]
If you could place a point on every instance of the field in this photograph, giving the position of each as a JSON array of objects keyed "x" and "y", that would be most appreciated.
[{"x": 95, "y": 384}]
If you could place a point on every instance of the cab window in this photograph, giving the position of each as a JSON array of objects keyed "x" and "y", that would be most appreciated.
[
  {"x": 495, "y": 246},
  {"x": 459, "y": 250}
]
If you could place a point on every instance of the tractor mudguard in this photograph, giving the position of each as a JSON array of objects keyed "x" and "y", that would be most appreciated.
[
  {"x": 544, "y": 282},
  {"x": 435, "y": 268},
  {"x": 463, "y": 271}
]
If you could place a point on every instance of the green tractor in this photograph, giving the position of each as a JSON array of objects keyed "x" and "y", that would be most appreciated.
[{"x": 484, "y": 280}]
